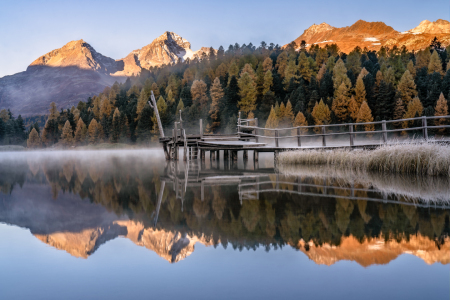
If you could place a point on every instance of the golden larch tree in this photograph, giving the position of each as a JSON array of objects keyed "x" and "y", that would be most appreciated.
[
  {"x": 267, "y": 65},
  {"x": 399, "y": 111},
  {"x": 268, "y": 82},
  {"x": 247, "y": 91},
  {"x": 216, "y": 94},
  {"x": 441, "y": 110},
  {"x": 340, "y": 102},
  {"x": 272, "y": 122},
  {"x": 93, "y": 131},
  {"x": 423, "y": 58},
  {"x": 198, "y": 92},
  {"x": 321, "y": 114},
  {"x": 365, "y": 116},
  {"x": 360, "y": 91},
  {"x": 34, "y": 141},
  {"x": 340, "y": 76},
  {"x": 67, "y": 134},
  {"x": 353, "y": 108},
  {"x": 407, "y": 87},
  {"x": 414, "y": 108},
  {"x": 300, "y": 120},
  {"x": 80, "y": 132},
  {"x": 435, "y": 64}
]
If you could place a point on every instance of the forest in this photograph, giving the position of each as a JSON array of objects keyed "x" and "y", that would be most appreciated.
[{"x": 291, "y": 86}]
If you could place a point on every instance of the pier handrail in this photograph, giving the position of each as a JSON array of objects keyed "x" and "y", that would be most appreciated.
[{"x": 384, "y": 131}]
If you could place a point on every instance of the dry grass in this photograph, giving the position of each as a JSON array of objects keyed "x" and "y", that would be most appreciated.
[
  {"x": 413, "y": 157},
  {"x": 434, "y": 189}
]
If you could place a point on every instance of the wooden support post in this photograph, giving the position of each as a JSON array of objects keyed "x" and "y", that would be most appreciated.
[
  {"x": 299, "y": 142},
  {"x": 245, "y": 155},
  {"x": 424, "y": 128},
  {"x": 225, "y": 155},
  {"x": 218, "y": 156},
  {"x": 201, "y": 128},
  {"x": 256, "y": 130},
  {"x": 350, "y": 129},
  {"x": 175, "y": 137},
  {"x": 383, "y": 129},
  {"x": 234, "y": 155},
  {"x": 239, "y": 125},
  {"x": 276, "y": 139},
  {"x": 255, "y": 155},
  {"x": 324, "y": 142},
  {"x": 212, "y": 155},
  {"x": 202, "y": 155}
]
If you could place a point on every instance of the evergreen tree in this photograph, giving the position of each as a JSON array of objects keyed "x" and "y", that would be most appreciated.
[
  {"x": 267, "y": 64},
  {"x": 186, "y": 96},
  {"x": 385, "y": 101},
  {"x": 304, "y": 67},
  {"x": 287, "y": 117},
  {"x": 353, "y": 62},
  {"x": 116, "y": 128},
  {"x": 268, "y": 82},
  {"x": 198, "y": 91},
  {"x": 411, "y": 68},
  {"x": 423, "y": 58},
  {"x": 321, "y": 114},
  {"x": 399, "y": 112}
]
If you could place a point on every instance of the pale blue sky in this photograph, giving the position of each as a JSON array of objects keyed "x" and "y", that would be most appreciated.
[{"x": 29, "y": 29}]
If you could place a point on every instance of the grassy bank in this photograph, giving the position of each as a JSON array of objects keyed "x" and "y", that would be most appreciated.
[{"x": 412, "y": 157}]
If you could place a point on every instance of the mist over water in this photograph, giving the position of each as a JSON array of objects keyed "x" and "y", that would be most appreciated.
[{"x": 96, "y": 220}]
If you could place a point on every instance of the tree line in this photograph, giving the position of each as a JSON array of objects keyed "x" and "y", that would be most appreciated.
[{"x": 282, "y": 87}]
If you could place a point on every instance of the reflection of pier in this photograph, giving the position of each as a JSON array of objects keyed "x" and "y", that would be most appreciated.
[{"x": 250, "y": 184}]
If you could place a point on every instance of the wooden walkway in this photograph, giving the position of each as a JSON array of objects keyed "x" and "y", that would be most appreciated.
[{"x": 250, "y": 137}]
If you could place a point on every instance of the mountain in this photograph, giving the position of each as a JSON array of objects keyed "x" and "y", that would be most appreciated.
[
  {"x": 65, "y": 76},
  {"x": 374, "y": 35},
  {"x": 77, "y": 71},
  {"x": 166, "y": 49}
]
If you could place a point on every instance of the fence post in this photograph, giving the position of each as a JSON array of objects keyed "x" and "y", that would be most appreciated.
[
  {"x": 424, "y": 129},
  {"x": 299, "y": 142},
  {"x": 239, "y": 125},
  {"x": 276, "y": 138},
  {"x": 201, "y": 128},
  {"x": 383, "y": 129},
  {"x": 256, "y": 130},
  {"x": 324, "y": 143},
  {"x": 351, "y": 134},
  {"x": 176, "y": 133}
]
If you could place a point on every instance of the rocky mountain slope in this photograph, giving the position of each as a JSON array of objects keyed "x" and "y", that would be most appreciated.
[
  {"x": 77, "y": 71},
  {"x": 374, "y": 35}
]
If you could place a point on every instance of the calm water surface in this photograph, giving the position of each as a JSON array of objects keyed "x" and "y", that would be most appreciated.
[{"x": 126, "y": 225}]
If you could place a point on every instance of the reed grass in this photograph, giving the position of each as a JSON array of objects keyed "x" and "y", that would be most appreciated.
[{"x": 412, "y": 157}]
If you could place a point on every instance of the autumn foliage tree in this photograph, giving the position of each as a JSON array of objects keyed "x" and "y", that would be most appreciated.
[{"x": 365, "y": 116}]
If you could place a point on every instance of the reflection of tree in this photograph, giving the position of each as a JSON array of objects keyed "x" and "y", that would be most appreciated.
[{"x": 275, "y": 219}]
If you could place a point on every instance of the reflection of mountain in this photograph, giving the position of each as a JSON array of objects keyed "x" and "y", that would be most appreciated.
[
  {"x": 121, "y": 199},
  {"x": 377, "y": 250}
]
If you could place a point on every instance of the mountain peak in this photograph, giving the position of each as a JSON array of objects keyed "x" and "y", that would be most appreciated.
[
  {"x": 439, "y": 26},
  {"x": 78, "y": 54}
]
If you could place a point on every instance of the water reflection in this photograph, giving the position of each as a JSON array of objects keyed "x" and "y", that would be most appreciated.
[{"x": 78, "y": 201}]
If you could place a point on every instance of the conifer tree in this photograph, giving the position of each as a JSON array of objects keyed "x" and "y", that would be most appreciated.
[
  {"x": 353, "y": 108},
  {"x": 34, "y": 141},
  {"x": 198, "y": 91},
  {"x": 54, "y": 114},
  {"x": 106, "y": 107},
  {"x": 363, "y": 73},
  {"x": 216, "y": 95},
  {"x": 282, "y": 61},
  {"x": 5, "y": 116},
  {"x": 180, "y": 106},
  {"x": 441, "y": 109},
  {"x": 341, "y": 102},
  {"x": 360, "y": 91},
  {"x": 331, "y": 63},
  {"x": 321, "y": 72},
  {"x": 321, "y": 57},
  {"x": 287, "y": 115},
  {"x": 249, "y": 69},
  {"x": 300, "y": 120},
  {"x": 268, "y": 82},
  {"x": 290, "y": 73},
  {"x": 96, "y": 105},
  {"x": 435, "y": 64},
  {"x": 353, "y": 62},
  {"x": 93, "y": 131},
  {"x": 399, "y": 112},
  {"x": 267, "y": 64},
  {"x": 80, "y": 132},
  {"x": 155, "y": 90},
  {"x": 414, "y": 109},
  {"x": 233, "y": 70},
  {"x": 170, "y": 97},
  {"x": 67, "y": 134},
  {"x": 321, "y": 114},
  {"x": 340, "y": 76},
  {"x": 423, "y": 58},
  {"x": 247, "y": 91},
  {"x": 304, "y": 67},
  {"x": 407, "y": 87},
  {"x": 272, "y": 122},
  {"x": 411, "y": 68},
  {"x": 365, "y": 116},
  {"x": 116, "y": 128}
]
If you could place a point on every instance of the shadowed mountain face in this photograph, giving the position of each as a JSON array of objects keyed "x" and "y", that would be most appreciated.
[
  {"x": 374, "y": 35},
  {"x": 76, "y": 201},
  {"x": 77, "y": 71}
]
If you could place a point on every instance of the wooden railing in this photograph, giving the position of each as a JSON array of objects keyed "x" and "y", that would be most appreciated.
[{"x": 246, "y": 131}]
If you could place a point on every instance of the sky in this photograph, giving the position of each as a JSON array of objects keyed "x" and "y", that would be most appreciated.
[{"x": 31, "y": 28}]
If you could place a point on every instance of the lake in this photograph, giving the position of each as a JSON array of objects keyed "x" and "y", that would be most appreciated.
[{"x": 128, "y": 225}]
